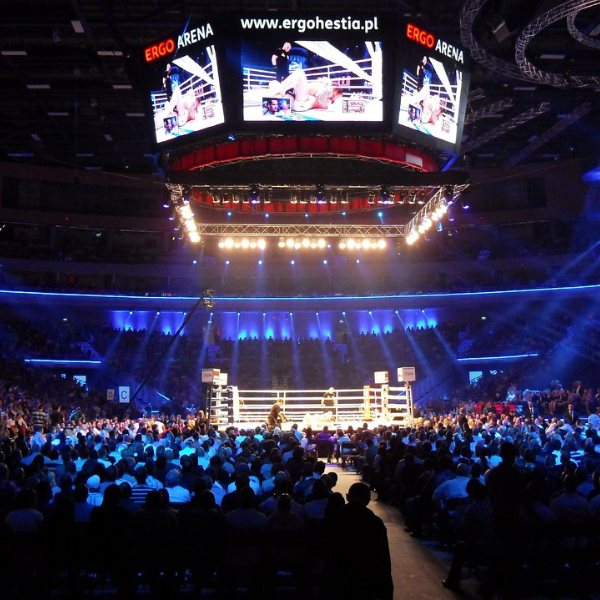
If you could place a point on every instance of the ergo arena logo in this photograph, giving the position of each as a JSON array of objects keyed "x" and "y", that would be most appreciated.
[
  {"x": 428, "y": 40},
  {"x": 159, "y": 50}
]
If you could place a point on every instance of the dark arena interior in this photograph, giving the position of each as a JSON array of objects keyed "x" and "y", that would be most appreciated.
[{"x": 300, "y": 301}]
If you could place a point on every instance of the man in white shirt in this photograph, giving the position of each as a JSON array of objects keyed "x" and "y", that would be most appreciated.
[
  {"x": 453, "y": 488},
  {"x": 177, "y": 493}
]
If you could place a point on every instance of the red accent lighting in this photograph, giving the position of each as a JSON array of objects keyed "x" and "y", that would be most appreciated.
[
  {"x": 159, "y": 50},
  {"x": 420, "y": 36}
]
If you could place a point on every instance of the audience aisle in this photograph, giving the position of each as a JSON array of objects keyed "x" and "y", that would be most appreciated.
[{"x": 420, "y": 566}]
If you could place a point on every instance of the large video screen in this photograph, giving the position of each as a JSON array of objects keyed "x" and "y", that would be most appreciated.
[
  {"x": 258, "y": 72},
  {"x": 432, "y": 91},
  {"x": 186, "y": 92},
  {"x": 297, "y": 79}
]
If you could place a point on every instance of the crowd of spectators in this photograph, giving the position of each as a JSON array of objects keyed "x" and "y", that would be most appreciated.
[
  {"x": 510, "y": 466},
  {"x": 244, "y": 490},
  {"x": 513, "y": 485}
]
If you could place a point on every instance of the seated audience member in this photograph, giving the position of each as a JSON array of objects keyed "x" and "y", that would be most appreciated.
[
  {"x": 246, "y": 518},
  {"x": 570, "y": 507},
  {"x": 177, "y": 493},
  {"x": 25, "y": 518},
  {"x": 475, "y": 530},
  {"x": 314, "y": 509},
  {"x": 284, "y": 519},
  {"x": 453, "y": 489}
]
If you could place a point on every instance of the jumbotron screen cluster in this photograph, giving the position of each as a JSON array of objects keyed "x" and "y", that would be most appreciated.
[{"x": 273, "y": 73}]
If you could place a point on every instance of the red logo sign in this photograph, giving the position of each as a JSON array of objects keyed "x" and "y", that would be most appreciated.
[
  {"x": 420, "y": 36},
  {"x": 159, "y": 50}
]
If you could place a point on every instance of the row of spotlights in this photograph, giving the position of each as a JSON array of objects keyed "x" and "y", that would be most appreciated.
[
  {"x": 244, "y": 243},
  {"x": 188, "y": 223},
  {"x": 363, "y": 244},
  {"x": 297, "y": 243},
  {"x": 304, "y": 243},
  {"x": 427, "y": 223}
]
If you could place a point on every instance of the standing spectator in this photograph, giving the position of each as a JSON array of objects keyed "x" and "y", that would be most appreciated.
[{"x": 356, "y": 516}]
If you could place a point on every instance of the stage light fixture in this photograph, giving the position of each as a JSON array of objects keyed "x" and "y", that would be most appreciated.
[
  {"x": 245, "y": 243},
  {"x": 186, "y": 212},
  {"x": 342, "y": 245},
  {"x": 290, "y": 243},
  {"x": 281, "y": 243},
  {"x": 385, "y": 195},
  {"x": 321, "y": 243},
  {"x": 320, "y": 194},
  {"x": 261, "y": 244}
]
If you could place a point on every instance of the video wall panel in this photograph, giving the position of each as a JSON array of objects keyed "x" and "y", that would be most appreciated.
[
  {"x": 432, "y": 86},
  {"x": 273, "y": 73}
]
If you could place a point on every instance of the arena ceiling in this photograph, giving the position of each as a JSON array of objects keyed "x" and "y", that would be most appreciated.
[{"x": 68, "y": 98}]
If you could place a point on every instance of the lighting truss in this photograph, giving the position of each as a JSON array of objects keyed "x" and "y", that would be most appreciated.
[
  {"x": 571, "y": 118},
  {"x": 523, "y": 69},
  {"x": 492, "y": 109},
  {"x": 440, "y": 197},
  {"x": 334, "y": 196},
  {"x": 545, "y": 20},
  {"x": 505, "y": 127},
  {"x": 330, "y": 231},
  {"x": 437, "y": 205}
]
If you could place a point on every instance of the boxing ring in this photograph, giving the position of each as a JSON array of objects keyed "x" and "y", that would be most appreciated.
[
  {"x": 203, "y": 86},
  {"x": 359, "y": 80},
  {"x": 446, "y": 95},
  {"x": 230, "y": 406}
]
